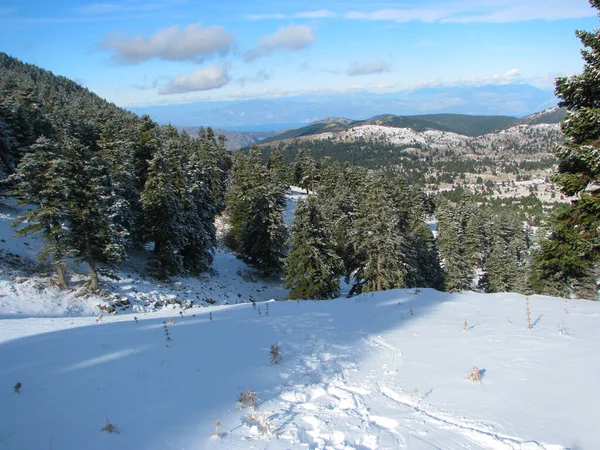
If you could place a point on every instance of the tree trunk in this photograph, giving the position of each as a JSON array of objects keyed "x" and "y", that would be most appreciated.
[
  {"x": 94, "y": 285},
  {"x": 379, "y": 261},
  {"x": 61, "y": 279}
]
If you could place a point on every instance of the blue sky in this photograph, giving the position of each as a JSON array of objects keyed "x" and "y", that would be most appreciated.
[{"x": 152, "y": 52}]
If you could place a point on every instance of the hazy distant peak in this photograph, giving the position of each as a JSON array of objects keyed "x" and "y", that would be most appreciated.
[
  {"x": 340, "y": 120},
  {"x": 550, "y": 115}
]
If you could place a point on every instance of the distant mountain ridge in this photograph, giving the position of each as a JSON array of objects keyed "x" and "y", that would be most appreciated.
[{"x": 462, "y": 124}]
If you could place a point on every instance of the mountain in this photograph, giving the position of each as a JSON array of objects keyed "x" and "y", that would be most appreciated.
[
  {"x": 516, "y": 100},
  {"x": 235, "y": 139},
  {"x": 462, "y": 124},
  {"x": 552, "y": 115}
]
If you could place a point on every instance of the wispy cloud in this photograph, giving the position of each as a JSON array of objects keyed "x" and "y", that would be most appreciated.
[
  {"x": 400, "y": 15},
  {"x": 512, "y": 76},
  {"x": 259, "y": 77},
  {"x": 490, "y": 11},
  {"x": 126, "y": 6},
  {"x": 368, "y": 67},
  {"x": 288, "y": 39},
  {"x": 194, "y": 42},
  {"x": 318, "y": 14},
  {"x": 207, "y": 78}
]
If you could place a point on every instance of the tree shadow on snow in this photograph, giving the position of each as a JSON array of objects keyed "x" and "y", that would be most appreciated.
[{"x": 162, "y": 382}]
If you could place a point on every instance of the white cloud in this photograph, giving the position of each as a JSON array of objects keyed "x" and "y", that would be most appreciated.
[
  {"x": 513, "y": 73},
  {"x": 512, "y": 76},
  {"x": 489, "y": 11},
  {"x": 519, "y": 11},
  {"x": 211, "y": 77},
  {"x": 319, "y": 14},
  {"x": 109, "y": 8},
  {"x": 266, "y": 16},
  {"x": 288, "y": 39},
  {"x": 368, "y": 67},
  {"x": 194, "y": 42},
  {"x": 399, "y": 15}
]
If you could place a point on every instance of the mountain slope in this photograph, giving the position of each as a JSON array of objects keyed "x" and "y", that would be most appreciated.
[
  {"x": 550, "y": 116},
  {"x": 383, "y": 371}
]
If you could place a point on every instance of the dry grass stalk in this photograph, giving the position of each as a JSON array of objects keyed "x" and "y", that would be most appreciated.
[
  {"x": 248, "y": 399},
  {"x": 262, "y": 421},
  {"x": 529, "y": 325},
  {"x": 475, "y": 375},
  {"x": 110, "y": 427},
  {"x": 275, "y": 356}
]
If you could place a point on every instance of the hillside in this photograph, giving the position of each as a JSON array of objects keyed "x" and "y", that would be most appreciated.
[
  {"x": 34, "y": 102},
  {"x": 234, "y": 139},
  {"x": 467, "y": 125}
]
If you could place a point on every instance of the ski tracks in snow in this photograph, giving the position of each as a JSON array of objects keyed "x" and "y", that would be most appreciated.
[{"x": 323, "y": 404}]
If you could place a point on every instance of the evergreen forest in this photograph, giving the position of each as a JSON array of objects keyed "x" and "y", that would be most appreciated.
[{"x": 98, "y": 183}]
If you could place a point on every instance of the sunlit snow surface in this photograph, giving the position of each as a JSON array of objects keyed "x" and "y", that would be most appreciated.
[{"x": 373, "y": 372}]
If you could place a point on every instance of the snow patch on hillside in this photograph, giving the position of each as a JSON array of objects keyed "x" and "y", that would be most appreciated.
[{"x": 396, "y": 136}]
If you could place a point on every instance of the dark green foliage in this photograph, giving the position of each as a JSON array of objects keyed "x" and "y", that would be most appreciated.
[
  {"x": 491, "y": 242},
  {"x": 565, "y": 264},
  {"x": 255, "y": 205},
  {"x": 381, "y": 239},
  {"x": 163, "y": 213},
  {"x": 39, "y": 183},
  {"x": 453, "y": 219},
  {"x": 100, "y": 178},
  {"x": 570, "y": 259},
  {"x": 339, "y": 197},
  {"x": 305, "y": 171},
  {"x": 507, "y": 252},
  {"x": 312, "y": 268},
  {"x": 95, "y": 211}
]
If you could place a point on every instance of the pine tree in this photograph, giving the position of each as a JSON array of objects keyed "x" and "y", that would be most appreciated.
[
  {"x": 40, "y": 185},
  {"x": 255, "y": 205},
  {"x": 571, "y": 255},
  {"x": 452, "y": 224},
  {"x": 199, "y": 208},
  {"x": 339, "y": 200},
  {"x": 163, "y": 213},
  {"x": 427, "y": 270},
  {"x": 312, "y": 268},
  {"x": 380, "y": 240},
  {"x": 305, "y": 171},
  {"x": 276, "y": 167},
  {"x": 94, "y": 209}
]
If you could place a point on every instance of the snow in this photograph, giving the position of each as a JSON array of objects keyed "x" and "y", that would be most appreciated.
[
  {"x": 293, "y": 196},
  {"x": 387, "y": 370},
  {"x": 397, "y": 136},
  {"x": 377, "y": 371}
]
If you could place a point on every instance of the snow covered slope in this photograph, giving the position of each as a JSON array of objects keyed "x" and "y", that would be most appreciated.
[
  {"x": 377, "y": 371},
  {"x": 26, "y": 288},
  {"x": 383, "y": 371}
]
